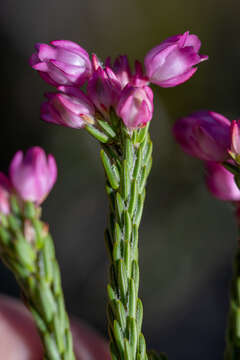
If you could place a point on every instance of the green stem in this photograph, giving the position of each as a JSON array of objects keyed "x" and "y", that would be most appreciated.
[
  {"x": 26, "y": 247},
  {"x": 127, "y": 164},
  {"x": 232, "y": 350}
]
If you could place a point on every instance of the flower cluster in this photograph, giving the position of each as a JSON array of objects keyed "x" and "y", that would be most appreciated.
[
  {"x": 67, "y": 66},
  {"x": 212, "y": 138},
  {"x": 31, "y": 177}
]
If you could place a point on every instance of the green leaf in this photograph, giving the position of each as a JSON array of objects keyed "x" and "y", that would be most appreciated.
[
  {"x": 132, "y": 299},
  {"x": 122, "y": 280},
  {"x": 128, "y": 355},
  {"x": 100, "y": 136},
  {"x": 107, "y": 128},
  {"x": 109, "y": 171},
  {"x": 118, "y": 335}
]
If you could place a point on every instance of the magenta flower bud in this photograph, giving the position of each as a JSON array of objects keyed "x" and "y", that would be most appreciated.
[
  {"x": 103, "y": 88},
  {"x": 71, "y": 108},
  {"x": 204, "y": 134},
  {"x": 63, "y": 63},
  {"x": 121, "y": 69},
  {"x": 135, "y": 106},
  {"x": 5, "y": 189},
  {"x": 220, "y": 182},
  {"x": 33, "y": 175},
  {"x": 235, "y": 137},
  {"x": 172, "y": 62}
]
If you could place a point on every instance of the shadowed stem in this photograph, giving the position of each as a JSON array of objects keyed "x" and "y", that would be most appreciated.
[
  {"x": 232, "y": 350},
  {"x": 26, "y": 247}
]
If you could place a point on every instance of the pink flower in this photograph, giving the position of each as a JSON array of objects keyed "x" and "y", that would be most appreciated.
[
  {"x": 63, "y": 63},
  {"x": 121, "y": 69},
  {"x": 204, "y": 134},
  {"x": 5, "y": 189},
  {"x": 103, "y": 88},
  {"x": 171, "y": 63},
  {"x": 235, "y": 137},
  {"x": 71, "y": 108},
  {"x": 135, "y": 106},
  {"x": 220, "y": 182},
  {"x": 33, "y": 175}
]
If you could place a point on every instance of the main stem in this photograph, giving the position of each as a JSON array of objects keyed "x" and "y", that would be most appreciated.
[
  {"x": 127, "y": 164},
  {"x": 232, "y": 351}
]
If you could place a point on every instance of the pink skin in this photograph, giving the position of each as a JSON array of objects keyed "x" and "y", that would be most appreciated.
[
  {"x": 135, "y": 106},
  {"x": 62, "y": 63},
  {"x": 71, "y": 108},
  {"x": 19, "y": 339},
  {"x": 220, "y": 182},
  {"x": 172, "y": 62},
  {"x": 33, "y": 174},
  {"x": 204, "y": 134}
]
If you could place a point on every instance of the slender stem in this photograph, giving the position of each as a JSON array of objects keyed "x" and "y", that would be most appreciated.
[
  {"x": 26, "y": 247},
  {"x": 127, "y": 165},
  {"x": 232, "y": 350}
]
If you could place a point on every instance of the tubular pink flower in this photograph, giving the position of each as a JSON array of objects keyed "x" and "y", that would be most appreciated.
[
  {"x": 71, "y": 108},
  {"x": 63, "y": 63},
  {"x": 135, "y": 106},
  {"x": 220, "y": 182},
  {"x": 5, "y": 189},
  {"x": 235, "y": 137},
  {"x": 103, "y": 88},
  {"x": 171, "y": 63},
  {"x": 204, "y": 134},
  {"x": 33, "y": 175}
]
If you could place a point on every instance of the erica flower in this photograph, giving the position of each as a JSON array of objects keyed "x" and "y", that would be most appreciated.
[
  {"x": 62, "y": 63},
  {"x": 220, "y": 182},
  {"x": 135, "y": 106},
  {"x": 103, "y": 88},
  {"x": 204, "y": 134},
  {"x": 71, "y": 108},
  {"x": 172, "y": 62},
  {"x": 5, "y": 189},
  {"x": 33, "y": 174}
]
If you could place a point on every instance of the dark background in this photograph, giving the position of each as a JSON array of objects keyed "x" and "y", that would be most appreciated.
[{"x": 187, "y": 237}]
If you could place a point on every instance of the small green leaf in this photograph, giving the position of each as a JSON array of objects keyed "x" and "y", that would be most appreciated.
[
  {"x": 109, "y": 171},
  {"x": 122, "y": 280},
  {"x": 107, "y": 128},
  {"x": 100, "y": 136}
]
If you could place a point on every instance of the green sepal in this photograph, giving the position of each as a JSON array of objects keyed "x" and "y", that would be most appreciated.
[
  {"x": 100, "y": 136},
  {"x": 142, "y": 133},
  {"x": 29, "y": 210}
]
